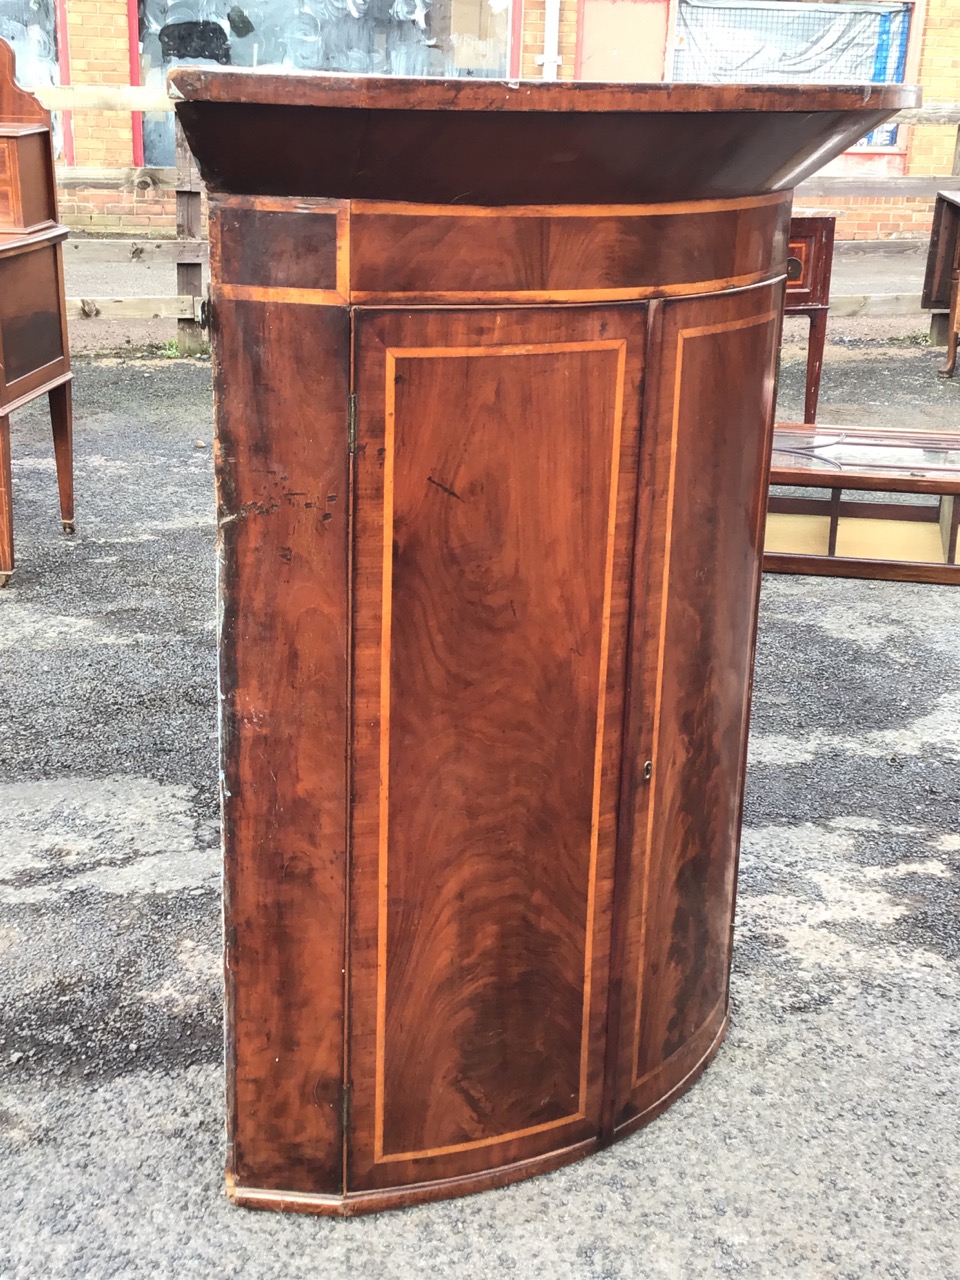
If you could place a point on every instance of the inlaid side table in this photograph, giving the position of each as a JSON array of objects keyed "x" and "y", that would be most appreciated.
[
  {"x": 809, "y": 266},
  {"x": 34, "y": 351}
]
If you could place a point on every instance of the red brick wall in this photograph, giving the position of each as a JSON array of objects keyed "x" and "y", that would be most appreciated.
[
  {"x": 100, "y": 54},
  {"x": 99, "y": 40},
  {"x": 531, "y": 40},
  {"x": 874, "y": 217},
  {"x": 139, "y": 213},
  {"x": 932, "y": 146}
]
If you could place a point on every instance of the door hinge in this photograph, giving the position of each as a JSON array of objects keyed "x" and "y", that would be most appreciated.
[
  {"x": 352, "y": 422},
  {"x": 344, "y": 1107}
]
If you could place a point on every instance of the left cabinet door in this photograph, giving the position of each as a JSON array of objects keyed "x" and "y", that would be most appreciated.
[
  {"x": 496, "y": 477},
  {"x": 283, "y": 506}
]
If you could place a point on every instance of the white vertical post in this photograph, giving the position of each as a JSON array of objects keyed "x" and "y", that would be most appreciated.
[{"x": 550, "y": 58}]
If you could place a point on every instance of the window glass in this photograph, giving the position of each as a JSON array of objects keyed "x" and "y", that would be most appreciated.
[
  {"x": 29, "y": 26},
  {"x": 380, "y": 37}
]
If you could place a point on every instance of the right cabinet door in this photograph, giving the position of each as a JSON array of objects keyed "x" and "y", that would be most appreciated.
[{"x": 708, "y": 418}]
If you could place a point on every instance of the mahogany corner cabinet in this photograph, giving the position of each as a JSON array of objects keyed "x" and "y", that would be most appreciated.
[{"x": 495, "y": 381}]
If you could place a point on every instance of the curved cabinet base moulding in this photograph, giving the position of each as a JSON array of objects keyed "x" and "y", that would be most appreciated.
[
  {"x": 358, "y": 1202},
  {"x": 657, "y": 1107},
  {"x": 490, "y": 575},
  {"x": 353, "y": 1205}
]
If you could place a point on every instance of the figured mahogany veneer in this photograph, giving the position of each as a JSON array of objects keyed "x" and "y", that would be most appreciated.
[
  {"x": 34, "y": 353},
  {"x": 495, "y": 388}
]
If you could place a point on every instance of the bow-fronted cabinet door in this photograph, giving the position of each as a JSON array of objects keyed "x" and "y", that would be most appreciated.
[{"x": 495, "y": 497}]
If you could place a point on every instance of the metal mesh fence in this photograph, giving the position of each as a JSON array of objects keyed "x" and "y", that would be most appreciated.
[{"x": 734, "y": 41}]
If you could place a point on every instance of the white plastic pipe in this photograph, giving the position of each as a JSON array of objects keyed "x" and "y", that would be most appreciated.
[{"x": 550, "y": 58}]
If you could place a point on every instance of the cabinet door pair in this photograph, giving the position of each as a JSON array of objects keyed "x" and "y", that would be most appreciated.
[{"x": 526, "y": 629}]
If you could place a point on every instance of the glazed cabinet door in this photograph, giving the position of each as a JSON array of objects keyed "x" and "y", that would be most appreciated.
[
  {"x": 495, "y": 496},
  {"x": 708, "y": 419}
]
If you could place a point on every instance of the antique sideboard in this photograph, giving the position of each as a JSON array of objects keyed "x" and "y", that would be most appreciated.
[
  {"x": 34, "y": 352},
  {"x": 941, "y": 282},
  {"x": 495, "y": 383}
]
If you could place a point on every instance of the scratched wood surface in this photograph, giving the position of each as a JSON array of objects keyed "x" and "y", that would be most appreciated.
[
  {"x": 283, "y": 509},
  {"x": 303, "y": 247},
  {"x": 496, "y": 483}
]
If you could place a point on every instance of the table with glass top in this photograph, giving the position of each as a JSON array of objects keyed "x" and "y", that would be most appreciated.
[{"x": 864, "y": 504}]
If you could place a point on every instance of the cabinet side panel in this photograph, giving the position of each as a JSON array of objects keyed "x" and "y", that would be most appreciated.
[
  {"x": 704, "y": 497},
  {"x": 496, "y": 485},
  {"x": 38, "y": 200},
  {"x": 282, "y": 389},
  {"x": 30, "y": 331}
]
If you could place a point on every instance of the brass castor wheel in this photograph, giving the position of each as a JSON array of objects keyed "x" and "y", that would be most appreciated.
[
  {"x": 5, "y": 578},
  {"x": 68, "y": 526}
]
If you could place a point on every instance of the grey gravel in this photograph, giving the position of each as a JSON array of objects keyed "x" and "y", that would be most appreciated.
[{"x": 824, "y": 1142}]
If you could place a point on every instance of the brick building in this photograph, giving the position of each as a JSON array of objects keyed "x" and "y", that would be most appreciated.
[
  {"x": 116, "y": 164},
  {"x": 925, "y": 155}
]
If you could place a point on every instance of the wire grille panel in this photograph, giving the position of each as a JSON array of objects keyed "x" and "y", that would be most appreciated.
[{"x": 733, "y": 41}]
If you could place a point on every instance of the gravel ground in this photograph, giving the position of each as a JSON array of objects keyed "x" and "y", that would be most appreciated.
[{"x": 824, "y": 1142}]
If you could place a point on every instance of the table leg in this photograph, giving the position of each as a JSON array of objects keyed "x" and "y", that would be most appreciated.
[
  {"x": 949, "y": 526},
  {"x": 6, "y": 505},
  {"x": 835, "y": 496},
  {"x": 61, "y": 416},
  {"x": 818, "y": 336}
]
